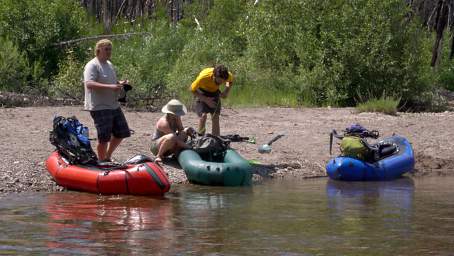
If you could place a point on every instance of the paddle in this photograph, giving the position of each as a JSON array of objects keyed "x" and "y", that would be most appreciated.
[
  {"x": 266, "y": 148},
  {"x": 331, "y": 135}
]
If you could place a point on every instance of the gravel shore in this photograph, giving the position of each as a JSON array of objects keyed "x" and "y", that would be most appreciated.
[{"x": 302, "y": 153}]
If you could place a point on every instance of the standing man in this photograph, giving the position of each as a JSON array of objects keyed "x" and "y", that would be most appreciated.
[
  {"x": 101, "y": 99},
  {"x": 206, "y": 90}
]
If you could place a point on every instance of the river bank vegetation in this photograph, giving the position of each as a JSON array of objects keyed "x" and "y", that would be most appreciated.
[{"x": 283, "y": 53}]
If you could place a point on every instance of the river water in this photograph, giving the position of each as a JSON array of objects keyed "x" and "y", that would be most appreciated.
[{"x": 278, "y": 217}]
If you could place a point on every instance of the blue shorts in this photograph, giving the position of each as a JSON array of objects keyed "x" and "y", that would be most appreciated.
[{"x": 108, "y": 122}]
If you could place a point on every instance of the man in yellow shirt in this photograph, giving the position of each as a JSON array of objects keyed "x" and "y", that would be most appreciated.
[{"x": 206, "y": 90}]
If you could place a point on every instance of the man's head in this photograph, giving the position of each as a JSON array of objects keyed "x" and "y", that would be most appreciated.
[
  {"x": 103, "y": 49},
  {"x": 221, "y": 74}
]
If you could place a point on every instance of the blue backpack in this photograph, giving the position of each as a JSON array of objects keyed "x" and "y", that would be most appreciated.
[
  {"x": 70, "y": 138},
  {"x": 359, "y": 131}
]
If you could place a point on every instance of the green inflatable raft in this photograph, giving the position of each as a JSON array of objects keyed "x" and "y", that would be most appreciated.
[{"x": 230, "y": 170}]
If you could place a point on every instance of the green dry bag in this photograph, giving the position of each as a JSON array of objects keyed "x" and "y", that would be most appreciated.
[{"x": 352, "y": 146}]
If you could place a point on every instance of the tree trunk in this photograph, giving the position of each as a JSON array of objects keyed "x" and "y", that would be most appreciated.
[
  {"x": 441, "y": 23},
  {"x": 109, "y": 11}
]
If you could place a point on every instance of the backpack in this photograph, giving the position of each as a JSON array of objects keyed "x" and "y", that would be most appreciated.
[
  {"x": 353, "y": 146},
  {"x": 353, "y": 142},
  {"x": 209, "y": 145},
  {"x": 70, "y": 138}
]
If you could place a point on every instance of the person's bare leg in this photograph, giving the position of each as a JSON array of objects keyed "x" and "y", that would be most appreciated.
[
  {"x": 166, "y": 144},
  {"x": 215, "y": 129},
  {"x": 114, "y": 142},
  {"x": 202, "y": 123},
  {"x": 102, "y": 149}
]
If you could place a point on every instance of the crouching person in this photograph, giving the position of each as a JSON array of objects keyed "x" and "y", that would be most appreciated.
[{"x": 170, "y": 136}]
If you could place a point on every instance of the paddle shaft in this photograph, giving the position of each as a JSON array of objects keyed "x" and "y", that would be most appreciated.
[{"x": 274, "y": 139}]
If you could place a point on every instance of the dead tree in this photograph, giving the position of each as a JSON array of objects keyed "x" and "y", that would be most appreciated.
[
  {"x": 438, "y": 16},
  {"x": 109, "y": 11}
]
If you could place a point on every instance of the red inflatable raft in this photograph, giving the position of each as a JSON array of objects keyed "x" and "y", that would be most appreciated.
[{"x": 145, "y": 178}]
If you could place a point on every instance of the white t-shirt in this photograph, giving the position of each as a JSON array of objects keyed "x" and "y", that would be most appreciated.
[{"x": 100, "y": 98}]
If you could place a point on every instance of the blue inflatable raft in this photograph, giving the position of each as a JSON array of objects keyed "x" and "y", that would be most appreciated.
[{"x": 400, "y": 161}]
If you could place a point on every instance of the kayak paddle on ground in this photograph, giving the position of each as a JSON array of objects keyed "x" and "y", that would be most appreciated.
[{"x": 266, "y": 148}]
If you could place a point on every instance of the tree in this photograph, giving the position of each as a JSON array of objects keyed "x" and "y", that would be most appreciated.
[
  {"x": 108, "y": 11},
  {"x": 438, "y": 16}
]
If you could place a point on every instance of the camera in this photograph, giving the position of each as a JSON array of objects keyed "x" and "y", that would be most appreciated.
[{"x": 126, "y": 88}]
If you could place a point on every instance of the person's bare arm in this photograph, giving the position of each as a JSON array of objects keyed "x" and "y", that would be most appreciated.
[
  {"x": 226, "y": 91},
  {"x": 96, "y": 85},
  {"x": 164, "y": 126},
  {"x": 180, "y": 127}
]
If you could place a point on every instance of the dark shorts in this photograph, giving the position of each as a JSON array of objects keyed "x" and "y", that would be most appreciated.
[
  {"x": 108, "y": 122},
  {"x": 201, "y": 107}
]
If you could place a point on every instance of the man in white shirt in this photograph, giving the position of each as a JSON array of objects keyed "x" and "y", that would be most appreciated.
[{"x": 101, "y": 99}]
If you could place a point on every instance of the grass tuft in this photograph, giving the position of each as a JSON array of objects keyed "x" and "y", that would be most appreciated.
[{"x": 383, "y": 105}]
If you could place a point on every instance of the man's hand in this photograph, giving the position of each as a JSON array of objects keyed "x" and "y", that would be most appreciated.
[
  {"x": 190, "y": 131},
  {"x": 225, "y": 93},
  {"x": 207, "y": 100},
  {"x": 116, "y": 87},
  {"x": 123, "y": 81}
]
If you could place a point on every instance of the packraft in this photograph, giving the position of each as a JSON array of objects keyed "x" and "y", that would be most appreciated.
[
  {"x": 70, "y": 137},
  {"x": 393, "y": 156},
  {"x": 386, "y": 159},
  {"x": 228, "y": 169},
  {"x": 137, "y": 176},
  {"x": 211, "y": 161},
  {"x": 74, "y": 165}
]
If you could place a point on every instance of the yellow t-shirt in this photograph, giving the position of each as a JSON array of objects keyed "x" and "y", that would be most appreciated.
[{"x": 205, "y": 81}]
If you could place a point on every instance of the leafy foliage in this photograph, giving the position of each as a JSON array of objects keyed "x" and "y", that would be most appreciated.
[
  {"x": 68, "y": 83},
  {"x": 287, "y": 53},
  {"x": 339, "y": 50},
  {"x": 34, "y": 26},
  {"x": 13, "y": 66}
]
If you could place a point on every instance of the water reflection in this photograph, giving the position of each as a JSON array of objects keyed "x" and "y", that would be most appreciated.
[
  {"x": 355, "y": 207},
  {"x": 188, "y": 220},
  {"x": 281, "y": 217},
  {"x": 212, "y": 218},
  {"x": 88, "y": 224},
  {"x": 398, "y": 192}
]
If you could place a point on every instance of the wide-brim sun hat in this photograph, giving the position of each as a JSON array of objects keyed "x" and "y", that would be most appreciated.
[{"x": 174, "y": 107}]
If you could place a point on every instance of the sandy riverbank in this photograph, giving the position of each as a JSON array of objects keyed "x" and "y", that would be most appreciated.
[{"x": 302, "y": 153}]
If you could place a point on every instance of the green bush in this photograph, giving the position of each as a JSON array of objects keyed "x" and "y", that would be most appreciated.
[
  {"x": 68, "y": 83},
  {"x": 270, "y": 30},
  {"x": 14, "y": 68},
  {"x": 146, "y": 61},
  {"x": 446, "y": 76},
  {"x": 337, "y": 51},
  {"x": 285, "y": 53},
  {"x": 218, "y": 41},
  {"x": 35, "y": 26}
]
